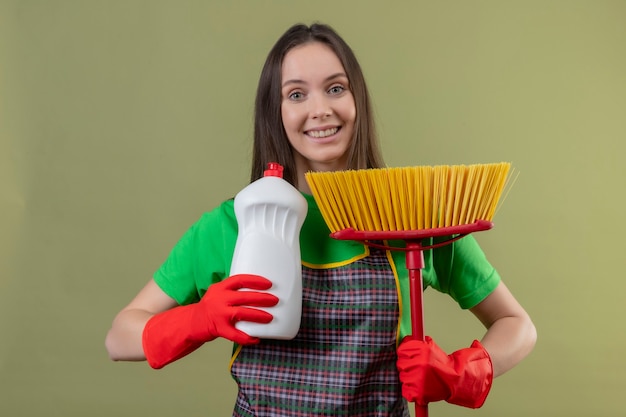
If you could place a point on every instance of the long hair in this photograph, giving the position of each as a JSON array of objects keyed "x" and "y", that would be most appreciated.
[{"x": 270, "y": 139}]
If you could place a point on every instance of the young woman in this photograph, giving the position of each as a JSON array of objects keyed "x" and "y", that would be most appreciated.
[{"x": 350, "y": 356}]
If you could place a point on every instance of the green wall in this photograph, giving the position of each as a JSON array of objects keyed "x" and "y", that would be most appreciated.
[{"x": 122, "y": 121}]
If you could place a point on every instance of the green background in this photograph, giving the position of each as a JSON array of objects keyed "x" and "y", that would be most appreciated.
[{"x": 122, "y": 121}]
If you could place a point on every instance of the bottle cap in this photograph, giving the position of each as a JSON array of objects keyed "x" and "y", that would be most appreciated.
[{"x": 274, "y": 169}]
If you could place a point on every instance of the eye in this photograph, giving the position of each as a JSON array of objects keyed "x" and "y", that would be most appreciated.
[
  {"x": 296, "y": 95},
  {"x": 336, "y": 89}
]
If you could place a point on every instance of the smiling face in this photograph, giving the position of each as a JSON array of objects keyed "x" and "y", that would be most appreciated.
[{"x": 317, "y": 107}]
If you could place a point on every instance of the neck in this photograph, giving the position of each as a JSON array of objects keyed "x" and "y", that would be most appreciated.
[
  {"x": 303, "y": 186},
  {"x": 303, "y": 166}
]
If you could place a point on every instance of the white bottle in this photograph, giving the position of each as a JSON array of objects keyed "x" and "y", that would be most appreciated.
[{"x": 270, "y": 213}]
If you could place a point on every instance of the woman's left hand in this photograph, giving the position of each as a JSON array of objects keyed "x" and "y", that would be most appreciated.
[{"x": 428, "y": 374}]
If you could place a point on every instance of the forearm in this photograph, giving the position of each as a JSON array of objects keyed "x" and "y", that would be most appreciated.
[
  {"x": 510, "y": 335},
  {"x": 124, "y": 339},
  {"x": 508, "y": 341}
]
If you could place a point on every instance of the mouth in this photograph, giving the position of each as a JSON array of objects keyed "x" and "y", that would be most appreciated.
[{"x": 322, "y": 133}]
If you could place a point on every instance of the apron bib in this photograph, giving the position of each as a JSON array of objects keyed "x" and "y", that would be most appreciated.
[{"x": 343, "y": 360}]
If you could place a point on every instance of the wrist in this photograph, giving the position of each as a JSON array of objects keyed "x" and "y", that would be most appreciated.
[
  {"x": 475, "y": 376},
  {"x": 172, "y": 334}
]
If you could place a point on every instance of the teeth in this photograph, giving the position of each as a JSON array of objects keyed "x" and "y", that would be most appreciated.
[{"x": 322, "y": 133}]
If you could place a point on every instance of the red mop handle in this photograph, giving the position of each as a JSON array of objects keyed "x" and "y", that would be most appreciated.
[{"x": 415, "y": 264}]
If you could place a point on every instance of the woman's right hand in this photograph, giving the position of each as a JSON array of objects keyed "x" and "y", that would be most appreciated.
[
  {"x": 172, "y": 334},
  {"x": 224, "y": 305},
  {"x": 155, "y": 328}
]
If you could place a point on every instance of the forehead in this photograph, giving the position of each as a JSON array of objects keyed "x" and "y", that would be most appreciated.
[{"x": 310, "y": 61}]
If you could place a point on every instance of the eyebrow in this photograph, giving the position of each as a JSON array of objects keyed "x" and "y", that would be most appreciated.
[{"x": 329, "y": 78}]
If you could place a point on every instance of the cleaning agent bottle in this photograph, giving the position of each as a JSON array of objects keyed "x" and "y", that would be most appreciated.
[{"x": 270, "y": 213}]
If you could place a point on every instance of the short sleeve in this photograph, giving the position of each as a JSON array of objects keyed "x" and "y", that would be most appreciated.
[
  {"x": 463, "y": 271},
  {"x": 201, "y": 257}
]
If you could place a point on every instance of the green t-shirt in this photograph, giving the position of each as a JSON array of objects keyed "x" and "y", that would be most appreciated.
[{"x": 204, "y": 254}]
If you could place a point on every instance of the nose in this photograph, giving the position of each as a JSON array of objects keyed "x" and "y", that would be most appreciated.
[{"x": 320, "y": 107}]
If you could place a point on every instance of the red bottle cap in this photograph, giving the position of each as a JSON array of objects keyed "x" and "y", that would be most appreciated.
[{"x": 274, "y": 169}]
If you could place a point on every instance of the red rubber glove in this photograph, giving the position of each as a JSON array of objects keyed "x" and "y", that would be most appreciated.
[
  {"x": 172, "y": 334},
  {"x": 428, "y": 374}
]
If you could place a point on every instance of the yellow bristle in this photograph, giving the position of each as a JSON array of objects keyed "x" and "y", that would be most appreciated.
[
  {"x": 439, "y": 196},
  {"x": 409, "y": 198}
]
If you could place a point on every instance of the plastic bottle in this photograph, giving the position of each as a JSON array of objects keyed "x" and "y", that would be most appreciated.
[{"x": 270, "y": 213}]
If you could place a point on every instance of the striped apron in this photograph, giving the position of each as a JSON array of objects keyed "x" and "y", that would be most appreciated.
[{"x": 343, "y": 360}]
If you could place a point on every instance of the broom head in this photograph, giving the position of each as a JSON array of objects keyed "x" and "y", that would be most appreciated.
[{"x": 452, "y": 198}]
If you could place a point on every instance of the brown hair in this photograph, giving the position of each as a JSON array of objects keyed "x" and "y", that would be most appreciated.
[{"x": 270, "y": 140}]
